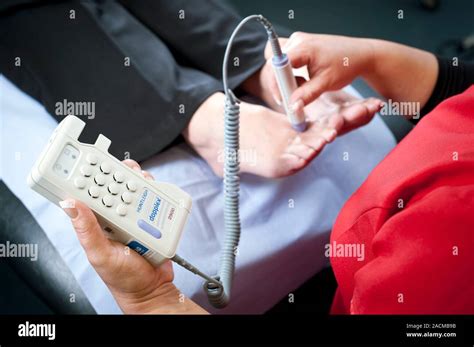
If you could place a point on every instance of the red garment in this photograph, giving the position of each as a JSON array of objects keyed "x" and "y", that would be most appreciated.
[{"x": 419, "y": 251}]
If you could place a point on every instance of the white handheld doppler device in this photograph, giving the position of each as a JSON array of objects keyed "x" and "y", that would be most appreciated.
[
  {"x": 145, "y": 215},
  {"x": 287, "y": 85}
]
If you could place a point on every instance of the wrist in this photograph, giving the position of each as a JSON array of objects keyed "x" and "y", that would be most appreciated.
[
  {"x": 395, "y": 66},
  {"x": 373, "y": 55},
  {"x": 166, "y": 299}
]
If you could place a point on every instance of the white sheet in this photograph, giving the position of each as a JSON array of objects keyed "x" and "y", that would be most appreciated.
[{"x": 281, "y": 247}]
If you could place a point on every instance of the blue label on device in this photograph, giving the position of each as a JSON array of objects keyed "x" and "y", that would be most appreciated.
[{"x": 138, "y": 247}]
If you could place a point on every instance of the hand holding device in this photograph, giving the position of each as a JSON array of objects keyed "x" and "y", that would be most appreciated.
[
  {"x": 137, "y": 285},
  {"x": 287, "y": 85},
  {"x": 333, "y": 62},
  {"x": 147, "y": 216}
]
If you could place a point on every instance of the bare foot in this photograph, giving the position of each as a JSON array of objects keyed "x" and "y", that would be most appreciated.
[{"x": 269, "y": 147}]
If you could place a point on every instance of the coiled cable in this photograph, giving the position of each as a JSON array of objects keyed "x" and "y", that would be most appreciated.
[
  {"x": 218, "y": 288},
  {"x": 219, "y": 295}
]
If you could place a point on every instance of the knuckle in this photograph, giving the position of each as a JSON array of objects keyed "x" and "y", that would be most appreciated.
[
  {"x": 83, "y": 224},
  {"x": 296, "y": 37},
  {"x": 100, "y": 258},
  {"x": 97, "y": 259}
]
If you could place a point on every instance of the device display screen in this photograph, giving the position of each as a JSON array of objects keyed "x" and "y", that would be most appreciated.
[{"x": 66, "y": 160}]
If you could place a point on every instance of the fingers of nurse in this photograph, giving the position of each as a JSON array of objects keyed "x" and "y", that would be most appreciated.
[
  {"x": 135, "y": 166},
  {"x": 301, "y": 54},
  {"x": 275, "y": 90},
  {"x": 132, "y": 164},
  {"x": 300, "y": 50},
  {"x": 360, "y": 113},
  {"x": 88, "y": 231},
  {"x": 309, "y": 91},
  {"x": 147, "y": 175},
  {"x": 300, "y": 80}
]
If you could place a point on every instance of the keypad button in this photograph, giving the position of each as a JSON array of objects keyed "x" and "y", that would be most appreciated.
[
  {"x": 105, "y": 168},
  {"x": 108, "y": 200},
  {"x": 113, "y": 188},
  {"x": 94, "y": 192},
  {"x": 131, "y": 186},
  {"x": 86, "y": 170},
  {"x": 119, "y": 177},
  {"x": 121, "y": 210},
  {"x": 99, "y": 179},
  {"x": 91, "y": 159},
  {"x": 127, "y": 197},
  {"x": 80, "y": 182}
]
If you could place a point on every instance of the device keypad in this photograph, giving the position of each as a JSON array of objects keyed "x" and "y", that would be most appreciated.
[
  {"x": 121, "y": 210},
  {"x": 99, "y": 179},
  {"x": 119, "y": 177},
  {"x": 86, "y": 171},
  {"x": 92, "y": 159},
  {"x": 127, "y": 197},
  {"x": 105, "y": 167},
  {"x": 94, "y": 192},
  {"x": 113, "y": 187},
  {"x": 80, "y": 182},
  {"x": 108, "y": 200},
  {"x": 131, "y": 186}
]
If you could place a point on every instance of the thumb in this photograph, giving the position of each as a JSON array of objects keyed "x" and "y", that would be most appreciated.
[{"x": 88, "y": 231}]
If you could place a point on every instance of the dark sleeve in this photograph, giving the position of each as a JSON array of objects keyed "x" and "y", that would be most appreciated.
[
  {"x": 142, "y": 106},
  {"x": 452, "y": 80},
  {"x": 200, "y": 30}
]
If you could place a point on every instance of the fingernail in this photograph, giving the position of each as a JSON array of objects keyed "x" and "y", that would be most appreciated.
[
  {"x": 136, "y": 168},
  {"x": 69, "y": 206},
  {"x": 375, "y": 106},
  {"x": 297, "y": 105}
]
